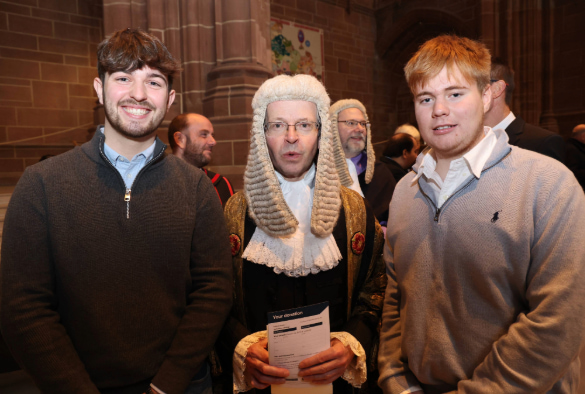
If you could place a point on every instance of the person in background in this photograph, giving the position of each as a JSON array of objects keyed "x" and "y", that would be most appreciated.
[
  {"x": 355, "y": 158},
  {"x": 408, "y": 129},
  {"x": 191, "y": 139},
  {"x": 520, "y": 133},
  {"x": 400, "y": 154}
]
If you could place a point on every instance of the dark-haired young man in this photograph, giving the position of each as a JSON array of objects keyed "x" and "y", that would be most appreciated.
[
  {"x": 109, "y": 283},
  {"x": 191, "y": 139},
  {"x": 400, "y": 154}
]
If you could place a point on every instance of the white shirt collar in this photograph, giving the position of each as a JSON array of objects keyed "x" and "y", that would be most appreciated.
[
  {"x": 299, "y": 197},
  {"x": 354, "y": 177},
  {"x": 475, "y": 158},
  {"x": 505, "y": 122}
]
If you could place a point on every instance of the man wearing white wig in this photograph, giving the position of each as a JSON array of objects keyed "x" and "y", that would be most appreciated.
[
  {"x": 355, "y": 158},
  {"x": 298, "y": 238}
]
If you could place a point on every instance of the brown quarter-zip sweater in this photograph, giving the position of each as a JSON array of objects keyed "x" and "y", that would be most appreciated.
[{"x": 101, "y": 294}]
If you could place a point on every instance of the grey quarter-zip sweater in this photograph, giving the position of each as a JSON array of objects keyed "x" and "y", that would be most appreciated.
[
  {"x": 487, "y": 294},
  {"x": 106, "y": 289}
]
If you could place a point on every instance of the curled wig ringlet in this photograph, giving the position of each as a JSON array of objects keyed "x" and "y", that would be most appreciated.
[
  {"x": 266, "y": 203},
  {"x": 340, "y": 162}
]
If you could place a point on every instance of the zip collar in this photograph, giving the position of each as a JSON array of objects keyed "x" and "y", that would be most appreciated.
[{"x": 94, "y": 148}]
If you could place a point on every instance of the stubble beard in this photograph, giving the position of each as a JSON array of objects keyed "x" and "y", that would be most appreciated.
[
  {"x": 194, "y": 156},
  {"x": 132, "y": 129}
]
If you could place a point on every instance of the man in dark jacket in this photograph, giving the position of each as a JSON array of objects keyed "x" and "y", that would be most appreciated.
[
  {"x": 576, "y": 154},
  {"x": 400, "y": 154},
  {"x": 115, "y": 273},
  {"x": 520, "y": 133}
]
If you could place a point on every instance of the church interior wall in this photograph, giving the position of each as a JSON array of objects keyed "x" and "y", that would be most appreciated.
[{"x": 47, "y": 63}]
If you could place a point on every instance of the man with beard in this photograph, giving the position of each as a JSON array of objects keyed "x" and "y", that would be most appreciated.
[
  {"x": 486, "y": 262},
  {"x": 115, "y": 273},
  {"x": 191, "y": 139},
  {"x": 355, "y": 157},
  {"x": 299, "y": 238}
]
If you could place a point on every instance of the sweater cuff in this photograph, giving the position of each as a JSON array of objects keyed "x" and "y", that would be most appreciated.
[
  {"x": 411, "y": 390},
  {"x": 356, "y": 372},
  {"x": 398, "y": 383},
  {"x": 172, "y": 379}
]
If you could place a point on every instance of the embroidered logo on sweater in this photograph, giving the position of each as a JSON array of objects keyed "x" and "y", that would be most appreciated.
[
  {"x": 358, "y": 243},
  {"x": 496, "y": 217},
  {"x": 235, "y": 243}
]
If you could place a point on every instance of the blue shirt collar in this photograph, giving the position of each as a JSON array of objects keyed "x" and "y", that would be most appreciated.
[{"x": 114, "y": 156}]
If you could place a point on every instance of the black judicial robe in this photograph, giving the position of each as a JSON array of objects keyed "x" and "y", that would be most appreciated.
[
  {"x": 379, "y": 191},
  {"x": 260, "y": 290}
]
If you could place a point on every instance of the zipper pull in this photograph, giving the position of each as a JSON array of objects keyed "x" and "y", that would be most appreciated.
[
  {"x": 127, "y": 199},
  {"x": 437, "y": 215}
]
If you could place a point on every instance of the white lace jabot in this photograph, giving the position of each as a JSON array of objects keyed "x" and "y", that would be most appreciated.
[{"x": 302, "y": 253}]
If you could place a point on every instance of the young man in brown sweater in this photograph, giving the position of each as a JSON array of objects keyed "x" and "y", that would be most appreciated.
[{"x": 116, "y": 273}]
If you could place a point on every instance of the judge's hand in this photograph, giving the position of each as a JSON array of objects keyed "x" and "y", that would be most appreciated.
[
  {"x": 328, "y": 365},
  {"x": 258, "y": 372}
]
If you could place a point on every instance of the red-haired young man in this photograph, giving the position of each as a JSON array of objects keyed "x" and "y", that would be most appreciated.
[{"x": 485, "y": 261}]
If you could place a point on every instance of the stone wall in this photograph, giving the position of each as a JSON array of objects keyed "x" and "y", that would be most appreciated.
[
  {"x": 402, "y": 28},
  {"x": 349, "y": 44},
  {"x": 568, "y": 67},
  {"x": 47, "y": 62},
  {"x": 47, "y": 67}
]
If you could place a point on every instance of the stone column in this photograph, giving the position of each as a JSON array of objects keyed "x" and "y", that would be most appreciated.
[
  {"x": 530, "y": 52},
  {"x": 242, "y": 48},
  {"x": 548, "y": 118},
  {"x": 520, "y": 32},
  {"x": 224, "y": 48},
  {"x": 120, "y": 14},
  {"x": 489, "y": 25}
]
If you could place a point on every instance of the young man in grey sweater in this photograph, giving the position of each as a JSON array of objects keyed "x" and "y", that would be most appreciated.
[{"x": 484, "y": 254}]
